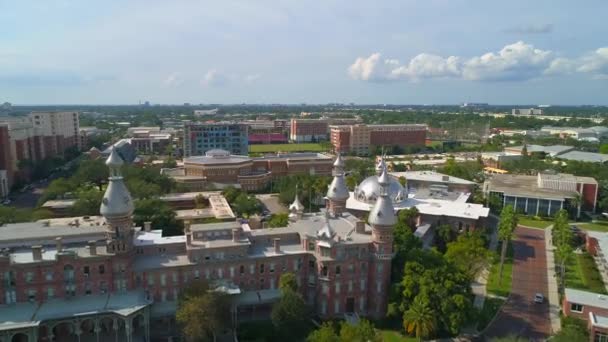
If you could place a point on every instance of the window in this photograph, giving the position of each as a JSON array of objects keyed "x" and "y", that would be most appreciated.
[
  {"x": 102, "y": 269},
  {"x": 242, "y": 269},
  {"x": 338, "y": 270},
  {"x": 29, "y": 277},
  {"x": 576, "y": 307},
  {"x": 362, "y": 284},
  {"x": 337, "y": 306},
  {"x": 163, "y": 279},
  {"x": 86, "y": 270},
  {"x": 271, "y": 268},
  {"x": 350, "y": 286},
  {"x": 261, "y": 268},
  {"x": 337, "y": 288},
  {"x": 325, "y": 252},
  {"x": 150, "y": 280},
  {"x": 50, "y": 292},
  {"x": 49, "y": 275},
  {"x": 311, "y": 264},
  {"x": 600, "y": 337},
  {"x": 252, "y": 268},
  {"x": 231, "y": 271},
  {"x": 311, "y": 246},
  {"x": 31, "y": 295},
  {"x": 174, "y": 275},
  {"x": 324, "y": 271},
  {"x": 197, "y": 274}
]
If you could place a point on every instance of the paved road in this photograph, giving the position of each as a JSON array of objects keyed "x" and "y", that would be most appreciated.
[{"x": 520, "y": 315}]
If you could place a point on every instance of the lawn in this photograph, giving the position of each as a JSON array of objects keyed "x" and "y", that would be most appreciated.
[
  {"x": 534, "y": 223},
  {"x": 582, "y": 273},
  {"x": 504, "y": 287},
  {"x": 489, "y": 310},
  {"x": 598, "y": 226},
  {"x": 394, "y": 336},
  {"x": 287, "y": 148}
]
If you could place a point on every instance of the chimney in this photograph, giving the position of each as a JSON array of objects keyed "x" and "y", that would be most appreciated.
[
  {"x": 188, "y": 239},
  {"x": 93, "y": 247},
  {"x": 37, "y": 252},
  {"x": 59, "y": 244},
  {"x": 147, "y": 226},
  {"x": 360, "y": 227},
  {"x": 236, "y": 234},
  {"x": 277, "y": 245}
]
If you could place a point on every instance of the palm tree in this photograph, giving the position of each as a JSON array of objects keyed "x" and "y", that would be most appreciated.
[
  {"x": 576, "y": 203},
  {"x": 508, "y": 223},
  {"x": 419, "y": 319}
]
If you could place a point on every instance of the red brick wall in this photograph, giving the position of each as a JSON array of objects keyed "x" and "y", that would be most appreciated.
[
  {"x": 588, "y": 197},
  {"x": 340, "y": 140},
  {"x": 586, "y": 309},
  {"x": 5, "y": 154}
]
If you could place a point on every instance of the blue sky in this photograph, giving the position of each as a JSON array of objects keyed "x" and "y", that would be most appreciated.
[{"x": 400, "y": 52}]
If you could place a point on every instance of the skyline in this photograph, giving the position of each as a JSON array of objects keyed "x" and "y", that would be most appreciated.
[{"x": 394, "y": 52}]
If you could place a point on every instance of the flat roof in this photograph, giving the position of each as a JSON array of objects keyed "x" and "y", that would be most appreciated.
[
  {"x": 155, "y": 237},
  {"x": 587, "y": 298},
  {"x": 25, "y": 234},
  {"x": 215, "y": 226},
  {"x": 431, "y": 176},
  {"x": 59, "y": 204},
  {"x": 552, "y": 150},
  {"x": 524, "y": 186},
  {"x": 585, "y": 156}
]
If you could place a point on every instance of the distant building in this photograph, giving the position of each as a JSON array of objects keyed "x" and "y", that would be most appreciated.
[
  {"x": 202, "y": 137},
  {"x": 219, "y": 167},
  {"x": 313, "y": 130},
  {"x": 588, "y": 157},
  {"x": 527, "y": 111},
  {"x": 87, "y": 132},
  {"x": 360, "y": 139},
  {"x": 267, "y": 138},
  {"x": 474, "y": 104},
  {"x": 431, "y": 179},
  {"x": 552, "y": 151},
  {"x": 544, "y": 194},
  {"x": 149, "y": 139},
  {"x": 205, "y": 112},
  {"x": 497, "y": 159},
  {"x": 595, "y": 133},
  {"x": 6, "y": 106},
  {"x": 124, "y": 149}
]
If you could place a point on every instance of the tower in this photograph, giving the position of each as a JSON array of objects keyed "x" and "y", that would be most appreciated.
[
  {"x": 382, "y": 218},
  {"x": 117, "y": 208},
  {"x": 296, "y": 208},
  {"x": 337, "y": 192}
]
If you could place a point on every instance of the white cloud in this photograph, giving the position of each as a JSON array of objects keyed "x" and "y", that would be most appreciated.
[
  {"x": 252, "y": 78},
  {"x": 174, "y": 79},
  {"x": 514, "y": 62},
  {"x": 518, "y": 61},
  {"x": 214, "y": 78}
]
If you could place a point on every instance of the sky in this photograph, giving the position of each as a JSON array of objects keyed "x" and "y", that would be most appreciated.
[{"x": 258, "y": 51}]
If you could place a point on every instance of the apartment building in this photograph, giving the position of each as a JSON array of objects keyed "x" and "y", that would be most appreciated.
[
  {"x": 202, "y": 137},
  {"x": 360, "y": 139},
  {"x": 312, "y": 130}
]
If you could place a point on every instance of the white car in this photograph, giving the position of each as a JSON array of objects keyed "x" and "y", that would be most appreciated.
[{"x": 539, "y": 298}]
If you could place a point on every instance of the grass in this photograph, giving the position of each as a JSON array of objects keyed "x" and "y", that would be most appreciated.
[
  {"x": 502, "y": 288},
  {"x": 582, "y": 273},
  {"x": 535, "y": 222},
  {"x": 489, "y": 310},
  {"x": 599, "y": 226},
  {"x": 394, "y": 336},
  {"x": 287, "y": 148}
]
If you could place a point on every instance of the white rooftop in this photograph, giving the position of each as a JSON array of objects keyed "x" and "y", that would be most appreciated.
[
  {"x": 155, "y": 237},
  {"x": 431, "y": 176},
  {"x": 587, "y": 298}
]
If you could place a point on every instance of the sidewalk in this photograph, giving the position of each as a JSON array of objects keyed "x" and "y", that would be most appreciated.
[
  {"x": 552, "y": 295},
  {"x": 478, "y": 287}
]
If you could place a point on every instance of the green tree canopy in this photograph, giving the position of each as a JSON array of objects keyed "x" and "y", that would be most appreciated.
[
  {"x": 159, "y": 213},
  {"x": 202, "y": 313},
  {"x": 290, "y": 314},
  {"x": 419, "y": 319},
  {"x": 469, "y": 253}
]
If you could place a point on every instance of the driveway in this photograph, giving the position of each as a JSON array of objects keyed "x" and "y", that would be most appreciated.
[{"x": 520, "y": 316}]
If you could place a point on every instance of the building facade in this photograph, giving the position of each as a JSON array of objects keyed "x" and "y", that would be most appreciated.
[
  {"x": 308, "y": 130},
  {"x": 202, "y": 137},
  {"x": 250, "y": 173},
  {"x": 360, "y": 139},
  {"x": 527, "y": 111},
  {"x": 589, "y": 307},
  {"x": 109, "y": 280}
]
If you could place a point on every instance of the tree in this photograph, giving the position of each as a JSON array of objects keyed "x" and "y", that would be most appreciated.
[
  {"x": 200, "y": 201},
  {"x": 445, "y": 289},
  {"x": 278, "y": 220},
  {"x": 603, "y": 149},
  {"x": 445, "y": 234},
  {"x": 246, "y": 205},
  {"x": 290, "y": 314},
  {"x": 419, "y": 319},
  {"x": 325, "y": 333},
  {"x": 576, "y": 202},
  {"x": 141, "y": 189},
  {"x": 506, "y": 227},
  {"x": 402, "y": 181},
  {"x": 469, "y": 253},
  {"x": 87, "y": 202},
  {"x": 94, "y": 171},
  {"x": 288, "y": 282},
  {"x": 159, "y": 213},
  {"x": 170, "y": 163},
  {"x": 363, "y": 331},
  {"x": 562, "y": 239},
  {"x": 201, "y": 313}
]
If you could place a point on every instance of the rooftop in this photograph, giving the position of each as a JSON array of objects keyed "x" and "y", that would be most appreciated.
[
  {"x": 553, "y": 150},
  {"x": 524, "y": 186},
  {"x": 155, "y": 237},
  {"x": 29, "y": 233},
  {"x": 431, "y": 176},
  {"x": 585, "y": 156},
  {"x": 587, "y": 298}
]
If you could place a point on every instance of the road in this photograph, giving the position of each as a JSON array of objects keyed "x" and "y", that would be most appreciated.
[
  {"x": 520, "y": 316},
  {"x": 29, "y": 198}
]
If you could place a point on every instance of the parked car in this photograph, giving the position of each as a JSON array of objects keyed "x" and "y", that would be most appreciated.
[{"x": 539, "y": 298}]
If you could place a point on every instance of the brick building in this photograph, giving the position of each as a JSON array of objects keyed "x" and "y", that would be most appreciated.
[
  {"x": 308, "y": 130},
  {"x": 590, "y": 307},
  {"x": 109, "y": 280},
  {"x": 360, "y": 139},
  {"x": 39, "y": 136},
  {"x": 250, "y": 173}
]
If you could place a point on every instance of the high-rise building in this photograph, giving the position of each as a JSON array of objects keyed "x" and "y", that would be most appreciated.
[
  {"x": 361, "y": 138},
  {"x": 202, "y": 137}
]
